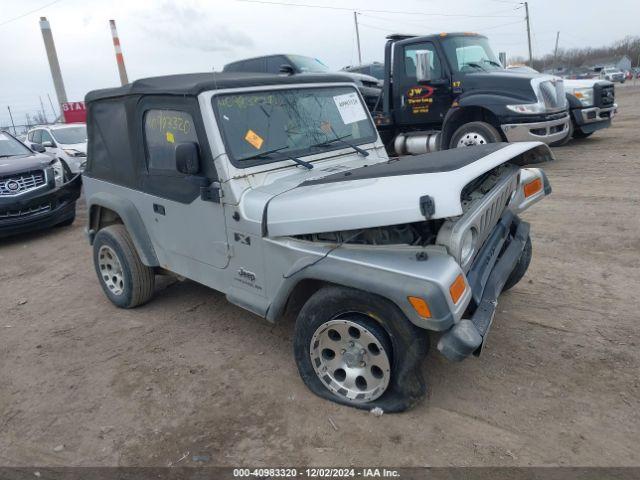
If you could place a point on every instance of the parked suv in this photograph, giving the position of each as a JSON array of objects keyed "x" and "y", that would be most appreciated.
[
  {"x": 278, "y": 192},
  {"x": 67, "y": 142},
  {"x": 612, "y": 74},
  {"x": 35, "y": 190}
]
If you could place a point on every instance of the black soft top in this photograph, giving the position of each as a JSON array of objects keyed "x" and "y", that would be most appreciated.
[{"x": 194, "y": 83}]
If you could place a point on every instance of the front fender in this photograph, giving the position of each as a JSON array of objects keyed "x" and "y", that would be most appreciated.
[{"x": 394, "y": 274}]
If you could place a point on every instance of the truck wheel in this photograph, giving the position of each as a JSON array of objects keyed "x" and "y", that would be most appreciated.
[
  {"x": 521, "y": 267},
  {"x": 474, "y": 133},
  {"x": 580, "y": 134},
  {"x": 358, "y": 349},
  {"x": 126, "y": 281}
]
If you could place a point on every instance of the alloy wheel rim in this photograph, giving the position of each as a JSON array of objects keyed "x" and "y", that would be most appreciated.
[
  {"x": 111, "y": 270},
  {"x": 350, "y": 360}
]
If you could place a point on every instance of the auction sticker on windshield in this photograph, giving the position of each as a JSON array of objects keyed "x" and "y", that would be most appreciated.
[{"x": 350, "y": 108}]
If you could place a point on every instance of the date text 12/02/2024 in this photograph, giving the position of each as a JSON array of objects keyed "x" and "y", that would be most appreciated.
[{"x": 317, "y": 473}]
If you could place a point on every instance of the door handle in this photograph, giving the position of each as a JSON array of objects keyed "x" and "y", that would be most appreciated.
[{"x": 159, "y": 209}]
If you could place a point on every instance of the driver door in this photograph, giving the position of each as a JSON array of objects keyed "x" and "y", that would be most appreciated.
[{"x": 423, "y": 105}]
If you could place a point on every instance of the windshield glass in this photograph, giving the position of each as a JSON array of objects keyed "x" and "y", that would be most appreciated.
[
  {"x": 470, "y": 53},
  {"x": 69, "y": 135},
  {"x": 308, "y": 64},
  {"x": 292, "y": 121},
  {"x": 9, "y": 146}
]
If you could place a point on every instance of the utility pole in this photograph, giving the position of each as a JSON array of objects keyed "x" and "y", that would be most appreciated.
[
  {"x": 52, "y": 55},
  {"x": 119, "y": 58},
  {"x": 355, "y": 19},
  {"x": 44, "y": 114},
  {"x": 28, "y": 121},
  {"x": 526, "y": 9},
  {"x": 555, "y": 52},
  {"x": 11, "y": 117}
]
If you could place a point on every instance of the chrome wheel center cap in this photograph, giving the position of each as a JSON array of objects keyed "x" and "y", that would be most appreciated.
[{"x": 354, "y": 356}]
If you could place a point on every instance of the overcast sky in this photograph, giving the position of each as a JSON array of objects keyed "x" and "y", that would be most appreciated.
[{"x": 169, "y": 36}]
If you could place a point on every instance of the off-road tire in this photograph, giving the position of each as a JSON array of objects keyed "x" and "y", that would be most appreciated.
[
  {"x": 408, "y": 344},
  {"x": 138, "y": 279},
  {"x": 521, "y": 267},
  {"x": 488, "y": 132},
  {"x": 579, "y": 134}
]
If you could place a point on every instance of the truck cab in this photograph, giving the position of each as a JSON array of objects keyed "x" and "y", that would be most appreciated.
[{"x": 450, "y": 90}]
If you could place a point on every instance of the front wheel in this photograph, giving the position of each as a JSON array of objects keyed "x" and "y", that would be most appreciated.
[
  {"x": 126, "y": 281},
  {"x": 358, "y": 349},
  {"x": 521, "y": 267},
  {"x": 474, "y": 133}
]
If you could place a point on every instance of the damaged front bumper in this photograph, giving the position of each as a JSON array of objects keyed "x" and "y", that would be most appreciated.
[
  {"x": 548, "y": 132},
  {"x": 42, "y": 209},
  {"x": 487, "y": 277}
]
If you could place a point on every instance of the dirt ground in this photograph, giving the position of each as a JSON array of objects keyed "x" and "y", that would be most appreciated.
[{"x": 189, "y": 374}]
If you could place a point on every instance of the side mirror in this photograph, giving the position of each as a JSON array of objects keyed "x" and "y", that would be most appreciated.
[
  {"x": 48, "y": 144},
  {"x": 36, "y": 147},
  {"x": 286, "y": 69},
  {"x": 187, "y": 158},
  {"x": 423, "y": 66}
]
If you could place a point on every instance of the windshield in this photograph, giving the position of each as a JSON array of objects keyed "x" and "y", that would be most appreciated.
[
  {"x": 308, "y": 64},
  {"x": 9, "y": 146},
  {"x": 470, "y": 53},
  {"x": 70, "y": 135},
  {"x": 292, "y": 121}
]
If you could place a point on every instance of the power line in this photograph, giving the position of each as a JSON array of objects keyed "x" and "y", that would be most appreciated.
[
  {"x": 397, "y": 12},
  {"x": 29, "y": 12}
]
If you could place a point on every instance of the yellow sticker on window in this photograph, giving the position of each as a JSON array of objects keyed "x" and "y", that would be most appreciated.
[
  {"x": 170, "y": 138},
  {"x": 254, "y": 139}
]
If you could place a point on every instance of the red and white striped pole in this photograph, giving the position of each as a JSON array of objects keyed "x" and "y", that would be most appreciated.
[{"x": 119, "y": 59}]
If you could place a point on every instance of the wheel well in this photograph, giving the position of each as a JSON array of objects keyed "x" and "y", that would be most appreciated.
[
  {"x": 100, "y": 217},
  {"x": 303, "y": 290},
  {"x": 466, "y": 115}
]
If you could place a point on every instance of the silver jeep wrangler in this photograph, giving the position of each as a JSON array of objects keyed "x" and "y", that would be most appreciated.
[{"x": 278, "y": 192}]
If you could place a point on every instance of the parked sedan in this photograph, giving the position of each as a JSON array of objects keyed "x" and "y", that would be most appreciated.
[
  {"x": 66, "y": 142},
  {"x": 36, "y": 190}
]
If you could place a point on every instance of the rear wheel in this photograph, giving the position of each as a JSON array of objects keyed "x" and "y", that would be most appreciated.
[
  {"x": 126, "y": 281},
  {"x": 358, "y": 349},
  {"x": 474, "y": 133}
]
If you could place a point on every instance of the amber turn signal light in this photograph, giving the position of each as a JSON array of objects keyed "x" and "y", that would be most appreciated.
[
  {"x": 457, "y": 288},
  {"x": 532, "y": 187},
  {"x": 420, "y": 306}
]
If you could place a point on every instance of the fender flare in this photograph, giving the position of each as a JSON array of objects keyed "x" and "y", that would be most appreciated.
[
  {"x": 492, "y": 103},
  {"x": 132, "y": 221}
]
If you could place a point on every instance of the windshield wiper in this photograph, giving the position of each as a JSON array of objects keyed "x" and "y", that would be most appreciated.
[
  {"x": 491, "y": 62},
  {"x": 473, "y": 64},
  {"x": 264, "y": 154},
  {"x": 341, "y": 139},
  {"x": 268, "y": 153}
]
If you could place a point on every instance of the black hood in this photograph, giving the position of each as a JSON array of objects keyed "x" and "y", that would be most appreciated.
[
  {"x": 512, "y": 84},
  {"x": 23, "y": 163}
]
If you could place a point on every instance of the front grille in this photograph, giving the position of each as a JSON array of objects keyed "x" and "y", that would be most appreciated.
[
  {"x": 481, "y": 215},
  {"x": 20, "y": 183},
  {"x": 604, "y": 95},
  {"x": 553, "y": 94},
  {"x": 25, "y": 212}
]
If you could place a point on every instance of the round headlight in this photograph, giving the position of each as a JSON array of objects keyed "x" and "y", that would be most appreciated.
[{"x": 468, "y": 246}]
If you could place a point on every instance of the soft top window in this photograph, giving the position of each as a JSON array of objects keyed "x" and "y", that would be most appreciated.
[
  {"x": 291, "y": 121},
  {"x": 163, "y": 129}
]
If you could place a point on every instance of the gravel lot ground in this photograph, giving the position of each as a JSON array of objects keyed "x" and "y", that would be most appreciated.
[{"x": 191, "y": 374}]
